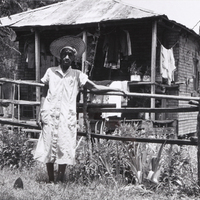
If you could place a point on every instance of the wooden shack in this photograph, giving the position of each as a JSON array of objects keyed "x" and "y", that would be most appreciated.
[{"x": 122, "y": 41}]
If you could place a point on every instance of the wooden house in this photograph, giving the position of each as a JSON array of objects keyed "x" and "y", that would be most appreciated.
[{"x": 122, "y": 40}]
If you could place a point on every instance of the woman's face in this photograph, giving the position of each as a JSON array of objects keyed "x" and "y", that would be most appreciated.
[{"x": 66, "y": 58}]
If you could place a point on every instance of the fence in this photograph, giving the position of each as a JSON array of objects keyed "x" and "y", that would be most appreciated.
[{"x": 85, "y": 108}]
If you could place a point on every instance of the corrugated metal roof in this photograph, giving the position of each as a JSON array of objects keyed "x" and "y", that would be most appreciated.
[{"x": 72, "y": 12}]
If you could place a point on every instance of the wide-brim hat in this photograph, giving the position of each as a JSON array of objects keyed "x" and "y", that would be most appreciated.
[{"x": 72, "y": 41}]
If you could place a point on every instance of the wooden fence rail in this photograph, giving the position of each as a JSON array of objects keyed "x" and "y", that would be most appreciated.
[
  {"x": 21, "y": 82},
  {"x": 108, "y": 137},
  {"x": 136, "y": 139},
  {"x": 157, "y": 96},
  {"x": 19, "y": 102},
  {"x": 149, "y": 110}
]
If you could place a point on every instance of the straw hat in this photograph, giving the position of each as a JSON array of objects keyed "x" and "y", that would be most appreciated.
[{"x": 71, "y": 41}]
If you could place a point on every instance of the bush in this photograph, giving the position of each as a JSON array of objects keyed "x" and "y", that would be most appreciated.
[
  {"x": 15, "y": 151},
  {"x": 179, "y": 172}
]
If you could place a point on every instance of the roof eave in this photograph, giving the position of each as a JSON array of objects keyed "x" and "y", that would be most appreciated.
[{"x": 83, "y": 25}]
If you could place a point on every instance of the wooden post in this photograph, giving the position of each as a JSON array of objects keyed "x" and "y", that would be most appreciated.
[
  {"x": 84, "y": 57},
  {"x": 198, "y": 144},
  {"x": 87, "y": 123},
  {"x": 18, "y": 97},
  {"x": 37, "y": 65},
  {"x": 153, "y": 64},
  {"x": 85, "y": 114}
]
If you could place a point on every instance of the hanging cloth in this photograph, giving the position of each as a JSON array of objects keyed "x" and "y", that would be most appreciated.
[
  {"x": 116, "y": 44},
  {"x": 167, "y": 64},
  {"x": 125, "y": 43},
  {"x": 116, "y": 99},
  {"x": 29, "y": 50},
  {"x": 119, "y": 101},
  {"x": 111, "y": 50}
]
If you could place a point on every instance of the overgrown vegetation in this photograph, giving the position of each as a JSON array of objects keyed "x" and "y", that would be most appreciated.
[
  {"x": 15, "y": 151},
  {"x": 129, "y": 169},
  {"x": 160, "y": 168}
]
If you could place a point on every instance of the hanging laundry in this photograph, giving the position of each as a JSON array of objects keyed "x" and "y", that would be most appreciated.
[
  {"x": 167, "y": 64},
  {"x": 127, "y": 45},
  {"x": 116, "y": 44},
  {"x": 29, "y": 51},
  {"x": 112, "y": 65}
]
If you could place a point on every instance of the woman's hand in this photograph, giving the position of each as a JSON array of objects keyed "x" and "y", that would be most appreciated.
[
  {"x": 125, "y": 93},
  {"x": 38, "y": 120}
]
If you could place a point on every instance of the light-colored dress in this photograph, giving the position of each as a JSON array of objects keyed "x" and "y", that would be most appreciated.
[{"x": 57, "y": 141}]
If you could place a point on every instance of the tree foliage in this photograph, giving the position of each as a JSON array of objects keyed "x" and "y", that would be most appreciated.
[
  {"x": 8, "y": 49},
  {"x": 9, "y": 7}
]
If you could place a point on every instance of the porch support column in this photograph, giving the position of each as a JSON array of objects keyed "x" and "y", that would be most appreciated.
[
  {"x": 153, "y": 64},
  {"x": 85, "y": 114},
  {"x": 37, "y": 65},
  {"x": 84, "y": 56}
]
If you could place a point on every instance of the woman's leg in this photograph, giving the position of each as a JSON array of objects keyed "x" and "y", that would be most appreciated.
[
  {"x": 50, "y": 171},
  {"x": 61, "y": 172}
]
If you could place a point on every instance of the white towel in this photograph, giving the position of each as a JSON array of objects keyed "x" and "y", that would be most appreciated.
[{"x": 115, "y": 99}]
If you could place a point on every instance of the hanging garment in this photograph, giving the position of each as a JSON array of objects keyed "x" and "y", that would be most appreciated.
[
  {"x": 111, "y": 50},
  {"x": 167, "y": 64},
  {"x": 116, "y": 44},
  {"x": 112, "y": 65},
  {"x": 129, "y": 43},
  {"x": 29, "y": 51},
  {"x": 125, "y": 43}
]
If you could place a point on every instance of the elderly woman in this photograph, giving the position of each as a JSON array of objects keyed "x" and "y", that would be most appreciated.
[{"x": 57, "y": 141}]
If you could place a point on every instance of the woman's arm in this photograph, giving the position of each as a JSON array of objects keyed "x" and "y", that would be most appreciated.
[
  {"x": 101, "y": 88},
  {"x": 44, "y": 94}
]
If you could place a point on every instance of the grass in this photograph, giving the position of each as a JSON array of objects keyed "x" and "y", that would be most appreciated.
[{"x": 36, "y": 188}]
